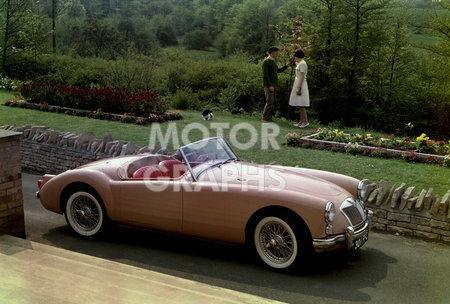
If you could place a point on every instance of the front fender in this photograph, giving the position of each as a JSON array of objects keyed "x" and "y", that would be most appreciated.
[{"x": 348, "y": 183}]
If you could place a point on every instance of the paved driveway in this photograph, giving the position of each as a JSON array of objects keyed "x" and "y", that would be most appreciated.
[{"x": 388, "y": 269}]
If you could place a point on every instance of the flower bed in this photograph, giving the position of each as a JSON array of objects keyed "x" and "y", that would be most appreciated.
[
  {"x": 110, "y": 99},
  {"x": 422, "y": 149},
  {"x": 98, "y": 113}
]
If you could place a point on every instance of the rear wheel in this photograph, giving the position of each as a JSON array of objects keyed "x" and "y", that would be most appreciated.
[
  {"x": 280, "y": 242},
  {"x": 85, "y": 214}
]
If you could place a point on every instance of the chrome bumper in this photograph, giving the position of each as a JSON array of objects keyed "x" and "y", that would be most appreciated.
[{"x": 346, "y": 238}]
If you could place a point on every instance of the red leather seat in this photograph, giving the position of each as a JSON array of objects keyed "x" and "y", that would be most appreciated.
[
  {"x": 172, "y": 168},
  {"x": 147, "y": 172}
]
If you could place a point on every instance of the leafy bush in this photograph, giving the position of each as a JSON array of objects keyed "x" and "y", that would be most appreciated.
[
  {"x": 185, "y": 99},
  {"x": 128, "y": 119},
  {"x": 197, "y": 40}
]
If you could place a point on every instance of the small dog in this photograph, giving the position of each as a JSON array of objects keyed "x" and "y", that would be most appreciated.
[{"x": 207, "y": 115}]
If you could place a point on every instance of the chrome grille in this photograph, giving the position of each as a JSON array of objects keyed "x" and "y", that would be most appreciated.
[
  {"x": 353, "y": 215},
  {"x": 354, "y": 212}
]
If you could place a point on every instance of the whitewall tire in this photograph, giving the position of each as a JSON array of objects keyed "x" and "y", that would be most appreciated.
[
  {"x": 84, "y": 214},
  {"x": 276, "y": 242}
]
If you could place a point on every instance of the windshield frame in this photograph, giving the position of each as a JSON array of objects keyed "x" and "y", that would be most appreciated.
[{"x": 220, "y": 140}]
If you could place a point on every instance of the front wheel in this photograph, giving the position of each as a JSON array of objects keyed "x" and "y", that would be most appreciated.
[
  {"x": 279, "y": 242},
  {"x": 85, "y": 214}
]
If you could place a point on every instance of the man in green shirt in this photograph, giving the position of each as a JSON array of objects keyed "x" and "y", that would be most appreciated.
[{"x": 270, "y": 70}]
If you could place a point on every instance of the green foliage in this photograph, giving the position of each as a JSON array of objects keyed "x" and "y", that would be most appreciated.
[
  {"x": 185, "y": 99},
  {"x": 248, "y": 28},
  {"x": 234, "y": 82},
  {"x": 197, "y": 40},
  {"x": 98, "y": 40},
  {"x": 166, "y": 35}
]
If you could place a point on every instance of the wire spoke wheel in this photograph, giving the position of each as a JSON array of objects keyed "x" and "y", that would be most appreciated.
[
  {"x": 84, "y": 213},
  {"x": 275, "y": 242}
]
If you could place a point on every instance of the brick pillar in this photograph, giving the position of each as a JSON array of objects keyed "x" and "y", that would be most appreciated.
[{"x": 11, "y": 197}]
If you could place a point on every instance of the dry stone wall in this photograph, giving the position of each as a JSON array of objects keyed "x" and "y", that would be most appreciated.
[
  {"x": 403, "y": 210},
  {"x": 49, "y": 151}
]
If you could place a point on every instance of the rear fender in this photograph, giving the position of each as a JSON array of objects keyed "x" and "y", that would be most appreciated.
[{"x": 51, "y": 192}]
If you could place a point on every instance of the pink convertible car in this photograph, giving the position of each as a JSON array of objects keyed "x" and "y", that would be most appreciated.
[{"x": 204, "y": 190}]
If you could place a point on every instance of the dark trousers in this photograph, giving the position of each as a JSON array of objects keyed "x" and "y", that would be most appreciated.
[{"x": 270, "y": 100}]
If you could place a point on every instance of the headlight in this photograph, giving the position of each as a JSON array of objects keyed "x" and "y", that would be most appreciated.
[
  {"x": 362, "y": 187},
  {"x": 330, "y": 212}
]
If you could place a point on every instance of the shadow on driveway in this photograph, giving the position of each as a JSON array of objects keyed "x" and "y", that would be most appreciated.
[{"x": 335, "y": 276}]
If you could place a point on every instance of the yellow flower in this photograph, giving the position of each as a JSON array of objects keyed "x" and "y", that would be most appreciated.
[{"x": 423, "y": 136}]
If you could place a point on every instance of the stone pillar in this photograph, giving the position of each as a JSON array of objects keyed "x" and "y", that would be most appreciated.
[{"x": 11, "y": 198}]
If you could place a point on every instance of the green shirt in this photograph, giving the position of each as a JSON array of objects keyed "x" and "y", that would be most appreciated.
[{"x": 270, "y": 70}]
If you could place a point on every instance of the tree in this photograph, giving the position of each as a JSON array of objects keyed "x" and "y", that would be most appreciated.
[
  {"x": 97, "y": 40},
  {"x": 359, "y": 34},
  {"x": 14, "y": 15},
  {"x": 72, "y": 9},
  {"x": 33, "y": 36},
  {"x": 166, "y": 35},
  {"x": 248, "y": 29},
  {"x": 436, "y": 71}
]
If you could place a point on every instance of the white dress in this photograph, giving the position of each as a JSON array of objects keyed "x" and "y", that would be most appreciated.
[{"x": 302, "y": 100}]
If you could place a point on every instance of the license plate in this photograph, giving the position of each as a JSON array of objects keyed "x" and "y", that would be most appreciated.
[{"x": 361, "y": 241}]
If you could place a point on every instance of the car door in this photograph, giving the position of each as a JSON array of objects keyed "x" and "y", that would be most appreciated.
[
  {"x": 211, "y": 213},
  {"x": 151, "y": 204}
]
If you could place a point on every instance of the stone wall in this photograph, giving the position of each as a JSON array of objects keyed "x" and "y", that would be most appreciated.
[
  {"x": 11, "y": 197},
  {"x": 49, "y": 151},
  {"x": 399, "y": 210}
]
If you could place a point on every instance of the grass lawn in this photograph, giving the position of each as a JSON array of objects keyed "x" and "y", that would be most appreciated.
[{"x": 375, "y": 169}]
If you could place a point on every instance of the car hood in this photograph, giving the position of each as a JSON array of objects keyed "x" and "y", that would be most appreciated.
[{"x": 275, "y": 179}]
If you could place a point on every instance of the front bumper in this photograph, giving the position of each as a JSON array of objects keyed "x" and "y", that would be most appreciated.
[{"x": 348, "y": 238}]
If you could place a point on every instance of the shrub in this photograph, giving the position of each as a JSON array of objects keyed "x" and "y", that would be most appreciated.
[
  {"x": 185, "y": 99},
  {"x": 127, "y": 119},
  {"x": 99, "y": 115}
]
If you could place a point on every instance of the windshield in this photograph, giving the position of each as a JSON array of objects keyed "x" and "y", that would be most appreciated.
[{"x": 205, "y": 154}]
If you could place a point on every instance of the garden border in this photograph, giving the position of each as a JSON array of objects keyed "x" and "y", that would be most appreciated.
[
  {"x": 309, "y": 139},
  {"x": 160, "y": 118}
]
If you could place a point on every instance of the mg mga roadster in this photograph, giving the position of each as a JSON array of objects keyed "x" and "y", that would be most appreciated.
[{"x": 206, "y": 191}]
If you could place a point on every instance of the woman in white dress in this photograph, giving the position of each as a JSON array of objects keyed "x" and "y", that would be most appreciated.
[{"x": 300, "y": 94}]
